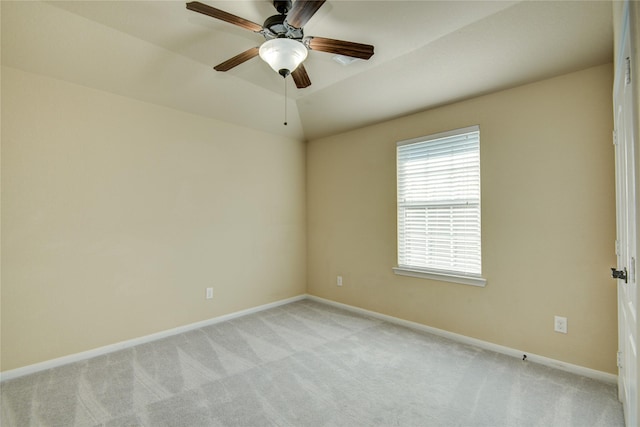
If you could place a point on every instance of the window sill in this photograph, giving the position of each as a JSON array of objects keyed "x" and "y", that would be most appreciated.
[{"x": 445, "y": 277}]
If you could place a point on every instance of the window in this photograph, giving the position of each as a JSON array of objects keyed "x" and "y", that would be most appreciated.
[{"x": 439, "y": 207}]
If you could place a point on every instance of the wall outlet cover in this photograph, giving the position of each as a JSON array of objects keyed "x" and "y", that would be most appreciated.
[{"x": 560, "y": 324}]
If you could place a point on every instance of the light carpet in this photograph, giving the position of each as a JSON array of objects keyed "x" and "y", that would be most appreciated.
[{"x": 306, "y": 364}]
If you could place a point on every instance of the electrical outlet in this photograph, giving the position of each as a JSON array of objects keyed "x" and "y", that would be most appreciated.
[
  {"x": 560, "y": 324},
  {"x": 209, "y": 293},
  {"x": 339, "y": 281}
]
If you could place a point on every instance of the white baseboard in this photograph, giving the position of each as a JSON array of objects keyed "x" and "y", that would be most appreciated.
[
  {"x": 568, "y": 367},
  {"x": 54, "y": 363}
]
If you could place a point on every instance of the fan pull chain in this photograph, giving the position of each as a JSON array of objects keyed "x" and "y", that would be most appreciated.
[{"x": 285, "y": 100}]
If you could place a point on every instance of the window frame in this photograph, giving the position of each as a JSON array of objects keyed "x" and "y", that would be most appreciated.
[{"x": 435, "y": 273}]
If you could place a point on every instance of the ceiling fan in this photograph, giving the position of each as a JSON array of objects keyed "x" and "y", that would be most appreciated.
[{"x": 286, "y": 45}]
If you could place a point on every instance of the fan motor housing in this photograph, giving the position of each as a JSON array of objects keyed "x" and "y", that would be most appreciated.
[
  {"x": 275, "y": 24},
  {"x": 276, "y": 27}
]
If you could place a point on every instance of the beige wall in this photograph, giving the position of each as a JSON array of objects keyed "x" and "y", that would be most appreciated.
[
  {"x": 548, "y": 220},
  {"x": 117, "y": 215}
]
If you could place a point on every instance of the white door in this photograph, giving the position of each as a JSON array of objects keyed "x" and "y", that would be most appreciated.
[{"x": 625, "y": 145}]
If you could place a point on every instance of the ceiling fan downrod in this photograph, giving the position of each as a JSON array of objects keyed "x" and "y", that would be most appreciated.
[{"x": 282, "y": 6}]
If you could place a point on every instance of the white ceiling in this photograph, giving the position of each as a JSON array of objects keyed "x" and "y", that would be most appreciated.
[{"x": 427, "y": 53}]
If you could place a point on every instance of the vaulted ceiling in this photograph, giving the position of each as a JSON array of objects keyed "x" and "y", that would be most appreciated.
[{"x": 427, "y": 53}]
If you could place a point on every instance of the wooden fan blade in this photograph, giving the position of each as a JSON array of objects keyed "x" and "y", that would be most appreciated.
[
  {"x": 196, "y": 6},
  {"x": 300, "y": 77},
  {"x": 302, "y": 11},
  {"x": 340, "y": 47},
  {"x": 237, "y": 60}
]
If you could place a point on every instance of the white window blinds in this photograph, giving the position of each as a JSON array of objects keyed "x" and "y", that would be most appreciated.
[{"x": 439, "y": 203}]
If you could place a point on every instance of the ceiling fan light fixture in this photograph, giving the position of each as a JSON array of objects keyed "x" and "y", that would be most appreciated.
[{"x": 283, "y": 55}]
